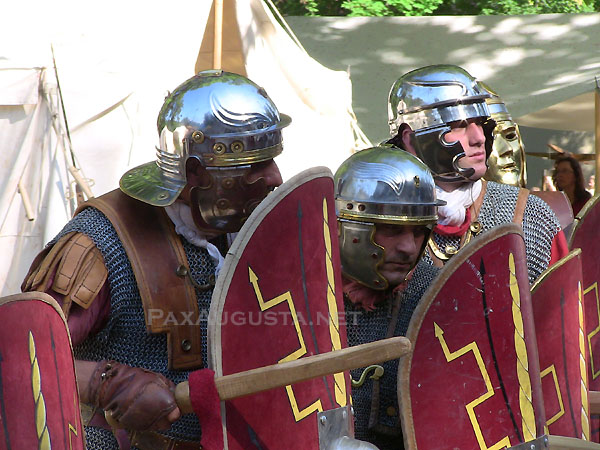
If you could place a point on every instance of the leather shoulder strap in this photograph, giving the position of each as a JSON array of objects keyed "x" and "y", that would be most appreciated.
[
  {"x": 478, "y": 202},
  {"x": 520, "y": 206},
  {"x": 437, "y": 262},
  {"x": 156, "y": 253}
]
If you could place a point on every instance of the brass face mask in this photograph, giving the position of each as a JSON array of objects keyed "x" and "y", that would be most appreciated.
[{"x": 506, "y": 163}]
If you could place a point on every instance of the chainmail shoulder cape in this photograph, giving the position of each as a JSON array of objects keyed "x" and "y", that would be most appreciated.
[
  {"x": 124, "y": 337},
  {"x": 375, "y": 403},
  {"x": 540, "y": 225}
]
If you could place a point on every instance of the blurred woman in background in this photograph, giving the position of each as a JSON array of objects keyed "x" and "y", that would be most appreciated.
[{"x": 568, "y": 177}]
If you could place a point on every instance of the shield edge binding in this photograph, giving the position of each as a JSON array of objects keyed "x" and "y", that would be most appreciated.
[
  {"x": 546, "y": 273},
  {"x": 404, "y": 368},
  {"x": 231, "y": 261},
  {"x": 574, "y": 253},
  {"x": 580, "y": 218}
]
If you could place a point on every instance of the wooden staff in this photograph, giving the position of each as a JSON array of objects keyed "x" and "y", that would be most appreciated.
[
  {"x": 597, "y": 136},
  {"x": 278, "y": 375},
  {"x": 594, "y": 402},
  {"x": 218, "y": 37}
]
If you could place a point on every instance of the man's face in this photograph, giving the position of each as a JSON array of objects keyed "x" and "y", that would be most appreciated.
[
  {"x": 470, "y": 135},
  {"x": 402, "y": 248},
  {"x": 506, "y": 163}
]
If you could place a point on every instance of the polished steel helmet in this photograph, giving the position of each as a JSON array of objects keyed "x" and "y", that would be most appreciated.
[
  {"x": 506, "y": 163},
  {"x": 223, "y": 119},
  {"x": 428, "y": 100},
  {"x": 379, "y": 185}
]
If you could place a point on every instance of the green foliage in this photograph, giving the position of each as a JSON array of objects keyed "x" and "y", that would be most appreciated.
[
  {"x": 431, "y": 7},
  {"x": 310, "y": 7},
  {"x": 512, "y": 7},
  {"x": 390, "y": 7}
]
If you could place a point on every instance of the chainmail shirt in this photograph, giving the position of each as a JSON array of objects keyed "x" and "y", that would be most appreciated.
[
  {"x": 540, "y": 225},
  {"x": 124, "y": 337},
  {"x": 363, "y": 327}
]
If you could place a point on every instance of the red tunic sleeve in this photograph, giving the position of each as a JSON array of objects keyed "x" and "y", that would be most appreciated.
[
  {"x": 559, "y": 248},
  {"x": 84, "y": 322}
]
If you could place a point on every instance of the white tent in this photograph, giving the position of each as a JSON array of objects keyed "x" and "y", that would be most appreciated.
[{"x": 115, "y": 62}]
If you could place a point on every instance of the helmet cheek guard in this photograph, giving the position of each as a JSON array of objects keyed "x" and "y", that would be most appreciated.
[
  {"x": 225, "y": 204},
  {"x": 488, "y": 130},
  {"x": 440, "y": 156},
  {"x": 443, "y": 157},
  {"x": 361, "y": 256}
]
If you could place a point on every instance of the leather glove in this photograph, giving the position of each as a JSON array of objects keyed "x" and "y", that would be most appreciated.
[{"x": 138, "y": 399}]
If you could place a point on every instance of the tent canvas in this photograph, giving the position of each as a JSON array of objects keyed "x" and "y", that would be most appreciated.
[
  {"x": 116, "y": 62},
  {"x": 535, "y": 62},
  {"x": 543, "y": 66}
]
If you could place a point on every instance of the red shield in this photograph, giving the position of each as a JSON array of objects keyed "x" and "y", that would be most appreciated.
[
  {"x": 277, "y": 299},
  {"x": 561, "y": 206},
  {"x": 39, "y": 403},
  {"x": 556, "y": 298},
  {"x": 474, "y": 367},
  {"x": 585, "y": 237}
]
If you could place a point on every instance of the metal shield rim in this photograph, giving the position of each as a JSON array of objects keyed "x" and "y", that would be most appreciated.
[
  {"x": 403, "y": 377},
  {"x": 581, "y": 216},
  {"x": 550, "y": 270}
]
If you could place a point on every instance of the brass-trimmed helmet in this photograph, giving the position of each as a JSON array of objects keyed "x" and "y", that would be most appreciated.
[
  {"x": 428, "y": 100},
  {"x": 506, "y": 163},
  {"x": 383, "y": 185},
  {"x": 221, "y": 118}
]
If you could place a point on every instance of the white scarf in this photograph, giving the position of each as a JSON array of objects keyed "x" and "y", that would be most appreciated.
[
  {"x": 181, "y": 215},
  {"x": 457, "y": 202}
]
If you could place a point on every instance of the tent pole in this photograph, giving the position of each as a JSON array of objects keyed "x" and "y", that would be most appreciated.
[
  {"x": 597, "y": 137},
  {"x": 218, "y": 41}
]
